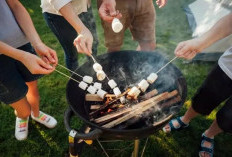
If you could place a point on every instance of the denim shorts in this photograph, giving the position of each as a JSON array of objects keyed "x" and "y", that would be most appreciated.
[{"x": 13, "y": 77}]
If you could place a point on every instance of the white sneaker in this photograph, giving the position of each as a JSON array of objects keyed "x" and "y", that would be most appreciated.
[
  {"x": 45, "y": 119},
  {"x": 21, "y": 128}
]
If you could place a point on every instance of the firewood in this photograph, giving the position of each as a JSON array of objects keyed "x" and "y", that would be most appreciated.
[
  {"x": 106, "y": 106},
  {"x": 120, "y": 112},
  {"x": 92, "y": 97},
  {"x": 140, "y": 109},
  {"x": 150, "y": 94},
  {"x": 95, "y": 107},
  {"x": 170, "y": 102}
]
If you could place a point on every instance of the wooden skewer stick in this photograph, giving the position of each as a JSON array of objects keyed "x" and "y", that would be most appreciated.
[{"x": 140, "y": 110}]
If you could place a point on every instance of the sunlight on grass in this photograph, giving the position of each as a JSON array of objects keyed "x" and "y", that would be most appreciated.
[
  {"x": 31, "y": 11},
  {"x": 188, "y": 103},
  {"x": 46, "y": 137}
]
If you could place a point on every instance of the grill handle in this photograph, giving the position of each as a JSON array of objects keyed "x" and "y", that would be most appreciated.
[{"x": 89, "y": 136}]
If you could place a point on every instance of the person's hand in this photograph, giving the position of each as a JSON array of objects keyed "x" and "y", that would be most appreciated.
[
  {"x": 161, "y": 3},
  {"x": 108, "y": 12},
  {"x": 188, "y": 49},
  {"x": 36, "y": 65},
  {"x": 46, "y": 53},
  {"x": 84, "y": 42}
]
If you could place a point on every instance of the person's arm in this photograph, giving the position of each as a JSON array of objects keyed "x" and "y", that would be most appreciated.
[
  {"x": 84, "y": 40},
  {"x": 107, "y": 11},
  {"x": 25, "y": 23},
  {"x": 35, "y": 64},
  {"x": 188, "y": 49}
]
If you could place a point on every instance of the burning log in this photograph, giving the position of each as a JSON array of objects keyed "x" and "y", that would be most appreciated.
[
  {"x": 151, "y": 112},
  {"x": 92, "y": 97},
  {"x": 120, "y": 112},
  {"x": 142, "y": 108},
  {"x": 170, "y": 102},
  {"x": 95, "y": 107},
  {"x": 150, "y": 94},
  {"x": 108, "y": 104}
]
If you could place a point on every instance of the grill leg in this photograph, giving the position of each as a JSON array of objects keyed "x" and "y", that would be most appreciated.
[{"x": 136, "y": 149}]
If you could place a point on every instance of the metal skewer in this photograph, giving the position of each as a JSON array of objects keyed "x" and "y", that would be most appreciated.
[
  {"x": 67, "y": 76},
  {"x": 166, "y": 65},
  {"x": 70, "y": 70}
]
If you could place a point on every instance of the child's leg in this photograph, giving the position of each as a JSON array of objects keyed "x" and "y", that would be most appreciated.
[
  {"x": 33, "y": 97},
  {"x": 22, "y": 108}
]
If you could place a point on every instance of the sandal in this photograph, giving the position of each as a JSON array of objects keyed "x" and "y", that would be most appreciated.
[
  {"x": 181, "y": 126},
  {"x": 208, "y": 150}
]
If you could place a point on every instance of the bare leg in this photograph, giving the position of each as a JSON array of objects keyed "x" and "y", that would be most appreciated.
[
  {"x": 212, "y": 131},
  {"x": 188, "y": 116},
  {"x": 146, "y": 46},
  {"x": 112, "y": 49},
  {"x": 22, "y": 108},
  {"x": 33, "y": 97}
]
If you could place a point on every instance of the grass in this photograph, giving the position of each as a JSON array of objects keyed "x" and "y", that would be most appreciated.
[{"x": 171, "y": 28}]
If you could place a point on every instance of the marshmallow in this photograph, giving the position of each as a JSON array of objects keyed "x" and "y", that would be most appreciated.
[
  {"x": 97, "y": 85},
  {"x": 112, "y": 84},
  {"x": 117, "y": 91},
  {"x": 101, "y": 93},
  {"x": 116, "y": 25},
  {"x": 123, "y": 99},
  {"x": 143, "y": 85},
  {"x": 88, "y": 79},
  {"x": 101, "y": 75},
  {"x": 152, "y": 78},
  {"x": 91, "y": 90},
  {"x": 83, "y": 85},
  {"x": 97, "y": 67},
  {"x": 134, "y": 92}
]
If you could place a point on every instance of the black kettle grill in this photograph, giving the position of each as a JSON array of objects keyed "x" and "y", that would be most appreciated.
[{"x": 126, "y": 68}]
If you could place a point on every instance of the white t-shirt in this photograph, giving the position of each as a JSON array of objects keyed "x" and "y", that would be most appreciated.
[
  {"x": 53, "y": 6},
  {"x": 225, "y": 62}
]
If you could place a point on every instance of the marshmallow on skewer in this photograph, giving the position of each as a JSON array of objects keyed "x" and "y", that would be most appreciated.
[
  {"x": 83, "y": 85},
  {"x": 101, "y": 93},
  {"x": 116, "y": 25},
  {"x": 92, "y": 90},
  {"x": 112, "y": 84},
  {"x": 101, "y": 75},
  {"x": 97, "y": 85},
  {"x": 134, "y": 92},
  {"x": 143, "y": 85},
  {"x": 97, "y": 67},
  {"x": 123, "y": 99},
  {"x": 88, "y": 79},
  {"x": 117, "y": 91},
  {"x": 152, "y": 78}
]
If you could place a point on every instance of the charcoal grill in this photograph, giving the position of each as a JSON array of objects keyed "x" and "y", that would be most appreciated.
[{"x": 126, "y": 68}]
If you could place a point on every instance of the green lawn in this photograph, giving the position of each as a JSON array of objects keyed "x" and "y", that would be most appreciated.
[{"x": 171, "y": 28}]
